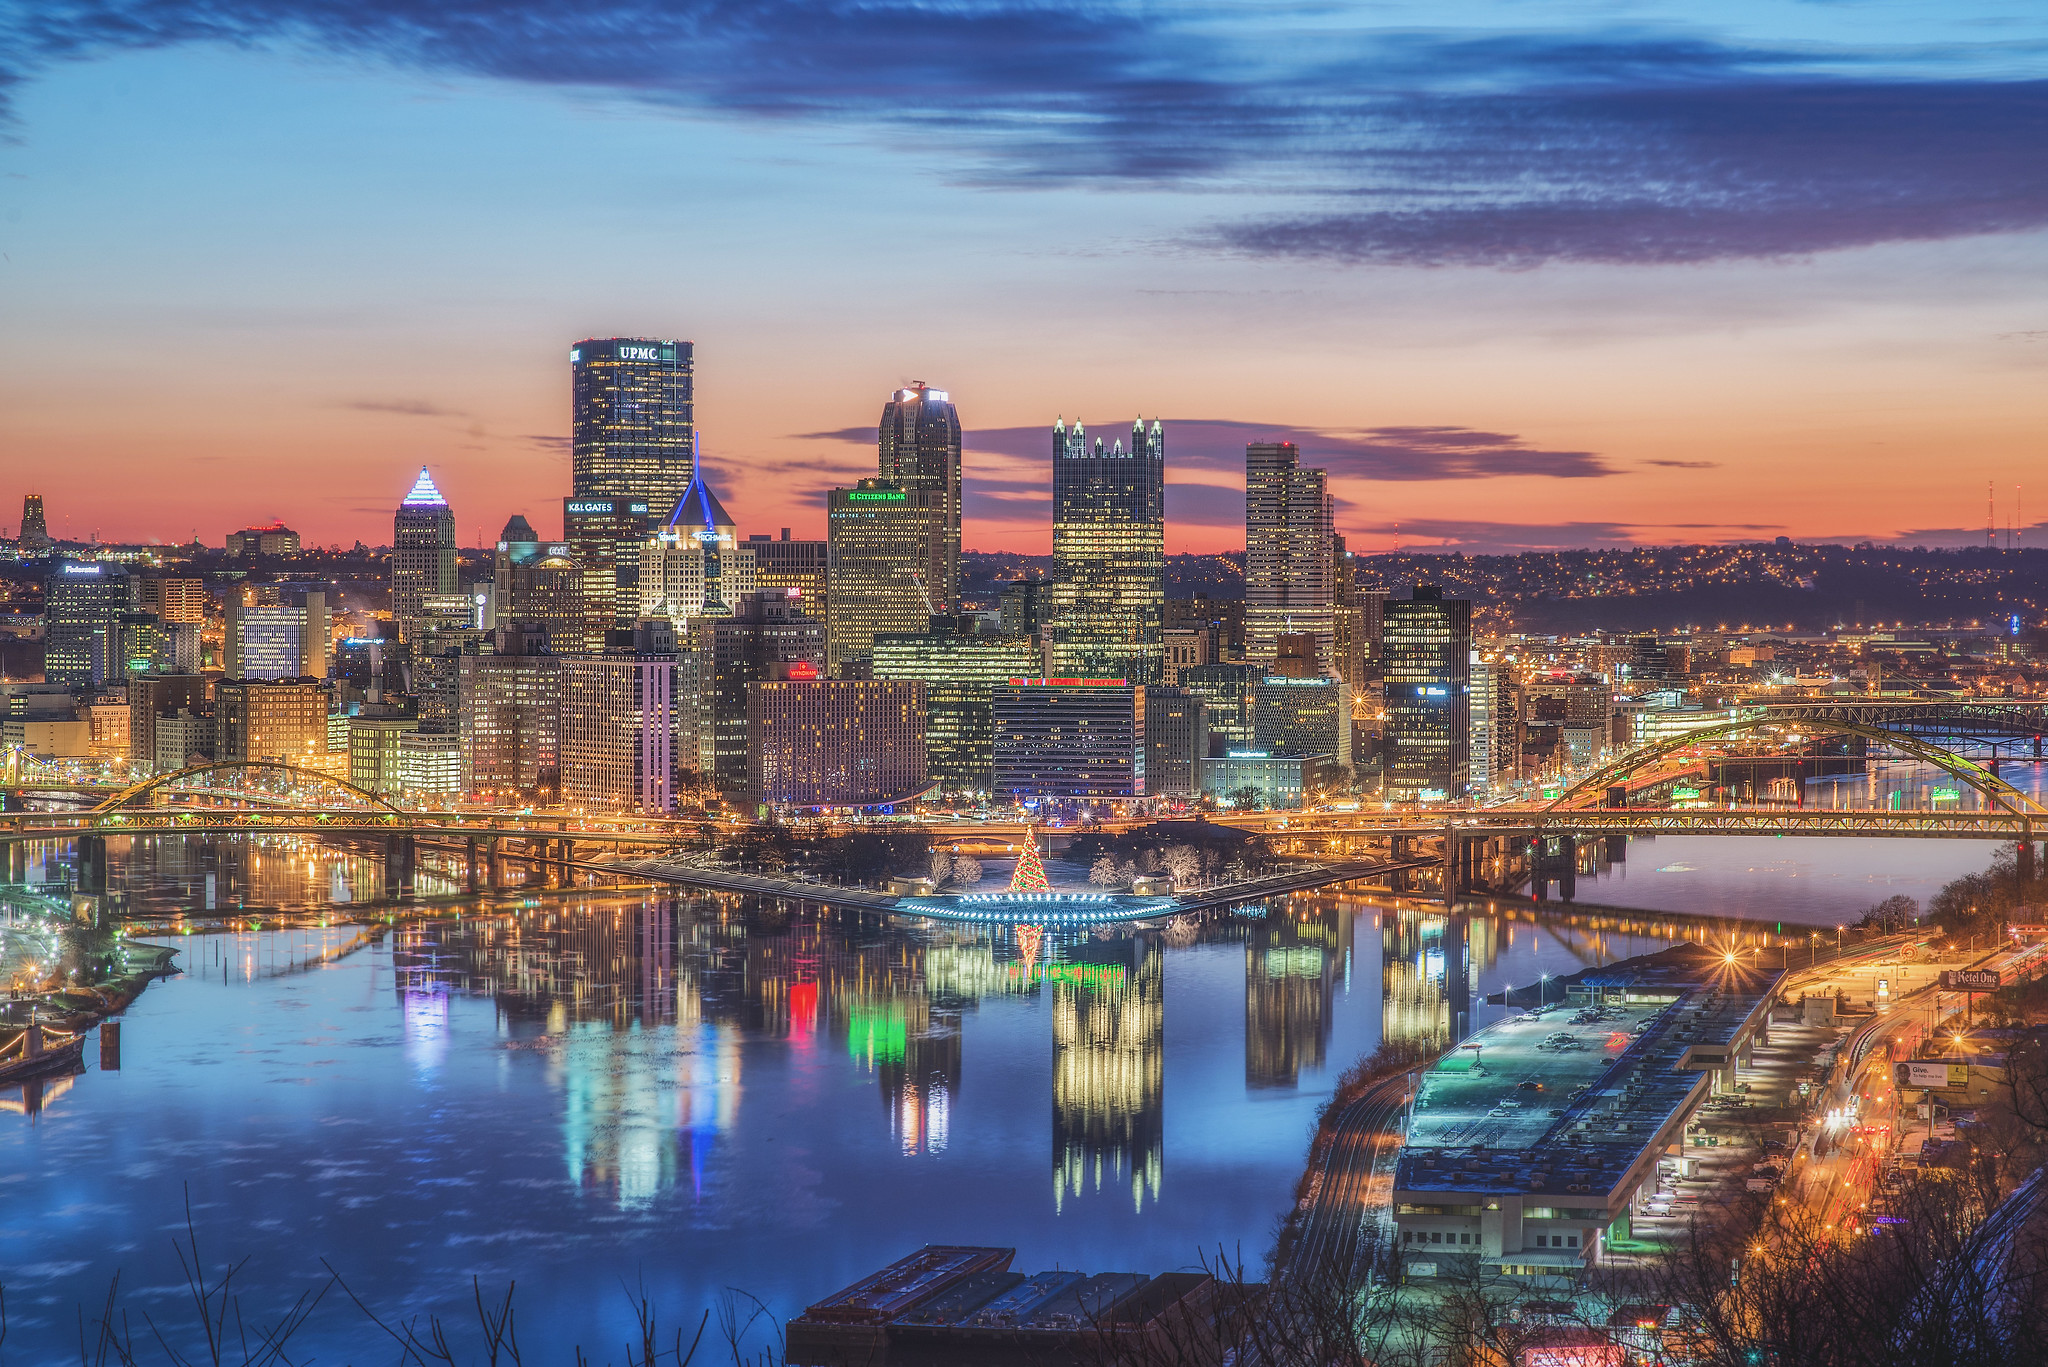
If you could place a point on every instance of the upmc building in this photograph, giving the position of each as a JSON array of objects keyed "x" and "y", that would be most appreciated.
[{"x": 633, "y": 424}]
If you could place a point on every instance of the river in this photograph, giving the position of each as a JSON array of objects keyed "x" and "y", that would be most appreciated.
[{"x": 603, "y": 1088}]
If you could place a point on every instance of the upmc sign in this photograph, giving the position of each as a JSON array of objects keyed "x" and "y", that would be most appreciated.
[{"x": 1969, "y": 980}]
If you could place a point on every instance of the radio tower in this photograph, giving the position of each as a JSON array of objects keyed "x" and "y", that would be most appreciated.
[{"x": 1991, "y": 514}]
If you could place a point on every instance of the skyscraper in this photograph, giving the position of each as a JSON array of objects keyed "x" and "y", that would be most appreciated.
[
  {"x": 919, "y": 448},
  {"x": 1288, "y": 524},
  {"x": 35, "y": 533},
  {"x": 1427, "y": 660},
  {"x": 958, "y": 671},
  {"x": 422, "y": 551},
  {"x": 694, "y": 565},
  {"x": 633, "y": 423},
  {"x": 618, "y": 731},
  {"x": 82, "y": 610},
  {"x": 767, "y": 629},
  {"x": 274, "y": 632},
  {"x": 880, "y": 535},
  {"x": 1109, "y": 554}
]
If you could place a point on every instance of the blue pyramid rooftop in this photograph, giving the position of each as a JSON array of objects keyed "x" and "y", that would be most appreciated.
[{"x": 699, "y": 507}]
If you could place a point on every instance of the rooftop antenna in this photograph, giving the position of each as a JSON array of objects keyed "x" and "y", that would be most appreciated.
[{"x": 1990, "y": 515}]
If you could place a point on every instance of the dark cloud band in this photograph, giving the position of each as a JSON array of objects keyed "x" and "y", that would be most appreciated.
[{"x": 1408, "y": 149}]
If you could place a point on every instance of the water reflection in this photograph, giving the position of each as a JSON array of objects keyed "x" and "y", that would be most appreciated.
[
  {"x": 1108, "y": 1068},
  {"x": 1292, "y": 964},
  {"x": 549, "y": 1088}
]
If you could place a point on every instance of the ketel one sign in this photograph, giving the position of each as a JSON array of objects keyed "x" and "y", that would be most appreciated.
[{"x": 1969, "y": 980}]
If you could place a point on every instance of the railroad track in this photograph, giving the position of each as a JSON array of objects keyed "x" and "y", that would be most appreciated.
[{"x": 1364, "y": 1130}]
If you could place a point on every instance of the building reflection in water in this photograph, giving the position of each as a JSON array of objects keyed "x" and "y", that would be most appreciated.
[
  {"x": 1108, "y": 1067},
  {"x": 642, "y": 1005},
  {"x": 1431, "y": 964},
  {"x": 1294, "y": 959}
]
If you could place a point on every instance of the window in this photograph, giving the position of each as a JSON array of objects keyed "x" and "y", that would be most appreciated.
[
  {"x": 1436, "y": 1236},
  {"x": 1407, "y": 1236},
  {"x": 1464, "y": 1238},
  {"x": 1543, "y": 1241},
  {"x": 1571, "y": 1240}
]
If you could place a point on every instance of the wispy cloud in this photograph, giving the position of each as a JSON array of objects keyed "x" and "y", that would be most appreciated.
[
  {"x": 1371, "y": 453},
  {"x": 405, "y": 408},
  {"x": 1685, "y": 464},
  {"x": 1616, "y": 144}
]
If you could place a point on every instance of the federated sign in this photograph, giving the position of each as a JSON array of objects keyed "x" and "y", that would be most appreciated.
[
  {"x": 1969, "y": 980},
  {"x": 1944, "y": 1075}
]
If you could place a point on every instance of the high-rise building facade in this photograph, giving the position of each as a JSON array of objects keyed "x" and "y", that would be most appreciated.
[
  {"x": 1288, "y": 526},
  {"x": 83, "y": 605},
  {"x": 376, "y": 755},
  {"x": 694, "y": 565},
  {"x": 815, "y": 742},
  {"x": 1076, "y": 738},
  {"x": 1303, "y": 716},
  {"x": 152, "y": 698},
  {"x": 918, "y": 444},
  {"x": 1176, "y": 740},
  {"x": 35, "y": 532},
  {"x": 618, "y": 731},
  {"x": 276, "y": 633},
  {"x": 1109, "y": 554},
  {"x": 768, "y": 630},
  {"x": 173, "y": 598},
  {"x": 422, "y": 551},
  {"x": 881, "y": 537},
  {"x": 805, "y": 566},
  {"x": 510, "y": 725},
  {"x": 607, "y": 533},
  {"x": 959, "y": 671},
  {"x": 1427, "y": 661},
  {"x": 566, "y": 595},
  {"x": 633, "y": 424},
  {"x": 269, "y": 721},
  {"x": 1229, "y": 697},
  {"x": 252, "y": 542}
]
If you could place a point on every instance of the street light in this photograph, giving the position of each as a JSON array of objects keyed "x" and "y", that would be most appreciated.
[{"x": 1542, "y": 982}]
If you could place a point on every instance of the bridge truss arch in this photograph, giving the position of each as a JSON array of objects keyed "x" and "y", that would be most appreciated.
[
  {"x": 1996, "y": 790},
  {"x": 143, "y": 789}
]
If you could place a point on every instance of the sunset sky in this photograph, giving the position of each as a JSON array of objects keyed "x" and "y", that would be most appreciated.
[{"x": 1518, "y": 274}]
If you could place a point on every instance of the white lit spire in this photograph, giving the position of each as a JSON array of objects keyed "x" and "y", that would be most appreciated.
[{"x": 424, "y": 494}]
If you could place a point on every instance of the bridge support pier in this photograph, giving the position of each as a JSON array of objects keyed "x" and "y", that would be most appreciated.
[
  {"x": 92, "y": 863},
  {"x": 1617, "y": 849},
  {"x": 494, "y": 867},
  {"x": 1568, "y": 875},
  {"x": 2026, "y": 864},
  {"x": 398, "y": 857},
  {"x": 17, "y": 861}
]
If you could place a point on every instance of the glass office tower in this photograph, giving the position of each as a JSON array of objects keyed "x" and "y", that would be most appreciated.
[
  {"x": 1109, "y": 554},
  {"x": 1288, "y": 527},
  {"x": 918, "y": 448},
  {"x": 633, "y": 422},
  {"x": 1427, "y": 660}
]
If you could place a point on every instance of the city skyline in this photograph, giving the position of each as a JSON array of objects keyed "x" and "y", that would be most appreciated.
[{"x": 1788, "y": 248}]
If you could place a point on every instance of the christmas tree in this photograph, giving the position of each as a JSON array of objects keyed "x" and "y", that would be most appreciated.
[{"x": 1030, "y": 874}]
